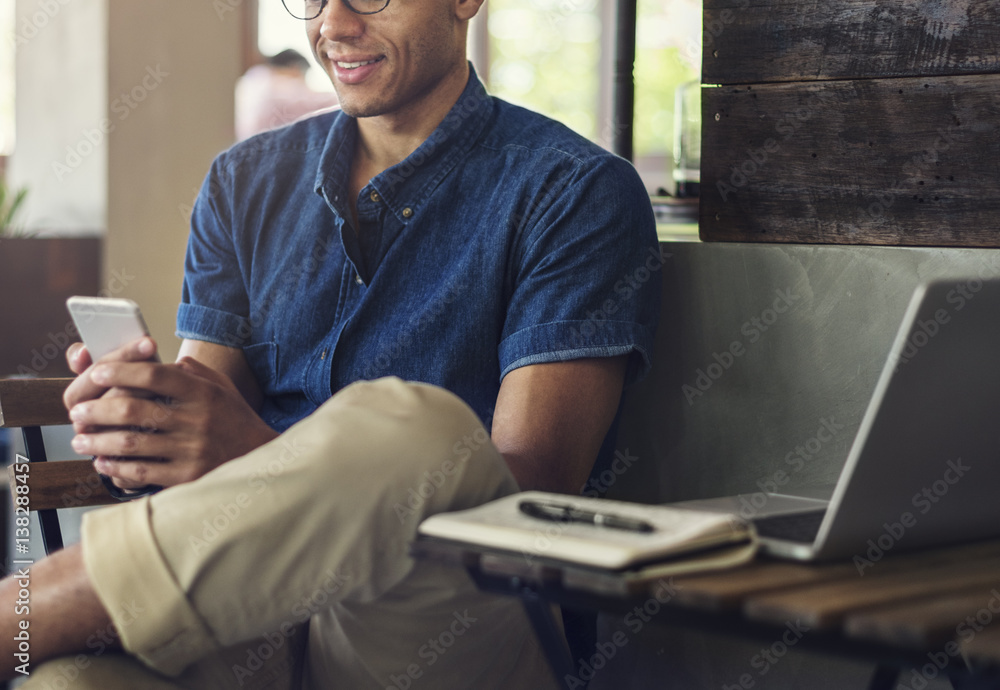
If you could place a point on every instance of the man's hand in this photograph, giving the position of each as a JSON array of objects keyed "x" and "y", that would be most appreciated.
[
  {"x": 83, "y": 388},
  {"x": 193, "y": 420}
]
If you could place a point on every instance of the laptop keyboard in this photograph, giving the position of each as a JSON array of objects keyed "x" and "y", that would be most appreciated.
[{"x": 800, "y": 527}]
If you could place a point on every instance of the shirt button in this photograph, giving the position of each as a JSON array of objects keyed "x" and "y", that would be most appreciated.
[
  {"x": 375, "y": 197},
  {"x": 407, "y": 212},
  {"x": 357, "y": 279}
]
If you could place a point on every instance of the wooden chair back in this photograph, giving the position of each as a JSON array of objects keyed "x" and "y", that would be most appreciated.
[{"x": 30, "y": 404}]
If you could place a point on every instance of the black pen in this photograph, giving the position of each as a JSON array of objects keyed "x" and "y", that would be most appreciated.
[{"x": 555, "y": 512}]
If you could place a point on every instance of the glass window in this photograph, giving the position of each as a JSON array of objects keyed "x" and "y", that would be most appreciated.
[
  {"x": 667, "y": 56},
  {"x": 546, "y": 55},
  {"x": 556, "y": 57}
]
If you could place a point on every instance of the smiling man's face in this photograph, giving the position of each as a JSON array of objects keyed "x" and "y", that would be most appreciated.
[{"x": 390, "y": 62}]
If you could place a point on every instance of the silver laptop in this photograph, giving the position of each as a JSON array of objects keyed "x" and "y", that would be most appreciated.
[{"x": 924, "y": 468}]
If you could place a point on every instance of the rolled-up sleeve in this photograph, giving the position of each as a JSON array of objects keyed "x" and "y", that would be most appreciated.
[
  {"x": 214, "y": 302},
  {"x": 587, "y": 283}
]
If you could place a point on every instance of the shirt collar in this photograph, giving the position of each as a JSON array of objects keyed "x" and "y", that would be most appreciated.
[{"x": 406, "y": 185}]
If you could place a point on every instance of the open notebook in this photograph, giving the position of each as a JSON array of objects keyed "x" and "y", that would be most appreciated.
[{"x": 592, "y": 544}]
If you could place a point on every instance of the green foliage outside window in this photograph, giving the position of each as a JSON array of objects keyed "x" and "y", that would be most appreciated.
[
  {"x": 546, "y": 55},
  {"x": 668, "y": 54}
]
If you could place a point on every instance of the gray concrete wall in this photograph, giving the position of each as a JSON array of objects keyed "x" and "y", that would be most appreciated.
[{"x": 811, "y": 326}]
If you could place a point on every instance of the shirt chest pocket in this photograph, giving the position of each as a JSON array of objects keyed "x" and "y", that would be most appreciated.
[{"x": 263, "y": 361}]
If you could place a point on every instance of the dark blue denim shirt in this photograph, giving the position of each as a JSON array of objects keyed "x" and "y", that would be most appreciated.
[{"x": 504, "y": 240}]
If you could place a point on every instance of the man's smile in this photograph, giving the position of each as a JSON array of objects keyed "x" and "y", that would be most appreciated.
[
  {"x": 353, "y": 65},
  {"x": 354, "y": 69}
]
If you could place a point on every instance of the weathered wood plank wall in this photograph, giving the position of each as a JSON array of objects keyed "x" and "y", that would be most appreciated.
[
  {"x": 852, "y": 121},
  {"x": 749, "y": 41}
]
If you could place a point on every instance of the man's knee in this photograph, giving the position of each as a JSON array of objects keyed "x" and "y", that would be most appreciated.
[
  {"x": 418, "y": 445},
  {"x": 419, "y": 405}
]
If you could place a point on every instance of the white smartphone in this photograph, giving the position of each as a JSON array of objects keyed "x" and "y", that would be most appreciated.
[{"x": 106, "y": 323}]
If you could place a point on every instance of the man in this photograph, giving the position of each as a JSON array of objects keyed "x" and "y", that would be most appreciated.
[
  {"x": 275, "y": 93},
  {"x": 451, "y": 239}
]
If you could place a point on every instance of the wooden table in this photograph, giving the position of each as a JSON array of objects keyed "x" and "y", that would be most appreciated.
[{"x": 932, "y": 610}]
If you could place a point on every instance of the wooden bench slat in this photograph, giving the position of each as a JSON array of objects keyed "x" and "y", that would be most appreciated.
[
  {"x": 724, "y": 591},
  {"x": 826, "y": 605},
  {"x": 60, "y": 484},
  {"x": 728, "y": 590},
  {"x": 928, "y": 626},
  {"x": 32, "y": 402}
]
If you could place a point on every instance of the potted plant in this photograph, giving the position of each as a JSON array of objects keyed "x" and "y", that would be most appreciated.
[{"x": 11, "y": 204}]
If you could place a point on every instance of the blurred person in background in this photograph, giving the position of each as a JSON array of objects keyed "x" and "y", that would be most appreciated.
[{"x": 275, "y": 93}]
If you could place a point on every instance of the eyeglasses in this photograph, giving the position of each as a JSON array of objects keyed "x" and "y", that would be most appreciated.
[{"x": 310, "y": 9}]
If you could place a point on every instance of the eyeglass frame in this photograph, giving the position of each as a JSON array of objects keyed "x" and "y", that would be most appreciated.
[{"x": 324, "y": 3}]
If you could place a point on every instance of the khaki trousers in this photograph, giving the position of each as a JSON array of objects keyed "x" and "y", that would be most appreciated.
[{"x": 289, "y": 567}]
